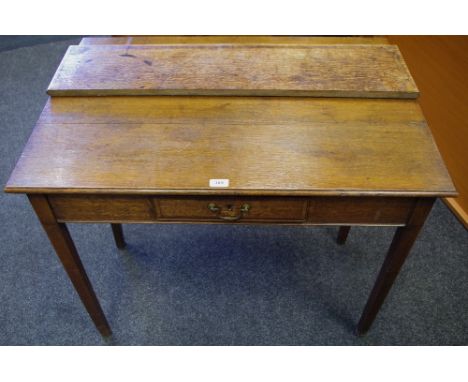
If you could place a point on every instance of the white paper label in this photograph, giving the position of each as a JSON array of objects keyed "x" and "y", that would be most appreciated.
[{"x": 219, "y": 182}]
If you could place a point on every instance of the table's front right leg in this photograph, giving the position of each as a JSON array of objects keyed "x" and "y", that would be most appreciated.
[
  {"x": 399, "y": 249},
  {"x": 63, "y": 244}
]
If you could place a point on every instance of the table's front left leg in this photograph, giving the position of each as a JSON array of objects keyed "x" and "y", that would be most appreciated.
[
  {"x": 64, "y": 247},
  {"x": 399, "y": 249}
]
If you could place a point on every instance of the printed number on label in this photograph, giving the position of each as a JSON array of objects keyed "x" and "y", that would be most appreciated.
[{"x": 219, "y": 182}]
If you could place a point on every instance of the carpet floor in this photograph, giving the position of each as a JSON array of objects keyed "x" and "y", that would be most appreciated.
[{"x": 212, "y": 284}]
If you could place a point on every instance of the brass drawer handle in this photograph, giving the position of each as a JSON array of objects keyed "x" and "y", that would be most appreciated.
[{"x": 219, "y": 212}]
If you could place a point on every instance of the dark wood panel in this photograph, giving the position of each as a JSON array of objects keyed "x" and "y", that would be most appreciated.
[
  {"x": 242, "y": 70},
  {"x": 356, "y": 210},
  {"x": 318, "y": 210},
  {"x": 102, "y": 208},
  {"x": 229, "y": 208}
]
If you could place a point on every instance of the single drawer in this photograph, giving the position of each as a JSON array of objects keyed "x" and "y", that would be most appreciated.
[{"x": 231, "y": 209}]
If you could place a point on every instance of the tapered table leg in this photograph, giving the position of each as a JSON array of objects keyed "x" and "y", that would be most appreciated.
[
  {"x": 118, "y": 235},
  {"x": 397, "y": 253},
  {"x": 343, "y": 234},
  {"x": 64, "y": 247}
]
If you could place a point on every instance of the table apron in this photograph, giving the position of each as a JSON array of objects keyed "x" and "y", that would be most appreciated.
[{"x": 320, "y": 210}]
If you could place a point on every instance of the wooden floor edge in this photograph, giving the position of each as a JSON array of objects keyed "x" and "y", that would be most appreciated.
[{"x": 457, "y": 210}]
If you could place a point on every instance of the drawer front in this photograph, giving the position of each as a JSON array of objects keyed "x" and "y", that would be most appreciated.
[
  {"x": 359, "y": 210},
  {"x": 231, "y": 209},
  {"x": 102, "y": 208}
]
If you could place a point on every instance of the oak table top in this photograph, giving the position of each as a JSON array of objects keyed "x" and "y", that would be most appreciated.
[{"x": 267, "y": 145}]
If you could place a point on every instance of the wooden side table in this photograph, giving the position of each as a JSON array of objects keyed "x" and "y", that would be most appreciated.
[{"x": 218, "y": 158}]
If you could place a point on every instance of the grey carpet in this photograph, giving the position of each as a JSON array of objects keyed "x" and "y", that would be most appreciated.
[
  {"x": 209, "y": 284},
  {"x": 13, "y": 42}
]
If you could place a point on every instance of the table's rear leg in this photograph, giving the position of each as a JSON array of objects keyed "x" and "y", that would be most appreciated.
[
  {"x": 64, "y": 247},
  {"x": 118, "y": 235},
  {"x": 397, "y": 253},
  {"x": 343, "y": 234}
]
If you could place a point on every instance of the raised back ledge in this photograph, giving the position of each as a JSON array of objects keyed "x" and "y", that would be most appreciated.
[
  {"x": 230, "y": 39},
  {"x": 339, "y": 70}
]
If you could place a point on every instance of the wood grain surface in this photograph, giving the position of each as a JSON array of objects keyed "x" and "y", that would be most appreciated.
[
  {"x": 263, "y": 145},
  {"x": 323, "y": 210},
  {"x": 62, "y": 242},
  {"x": 242, "y": 70},
  {"x": 359, "y": 210},
  {"x": 260, "y": 209},
  {"x": 245, "y": 40},
  {"x": 400, "y": 248}
]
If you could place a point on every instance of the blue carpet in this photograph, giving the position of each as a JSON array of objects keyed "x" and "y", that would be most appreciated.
[{"x": 212, "y": 284}]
